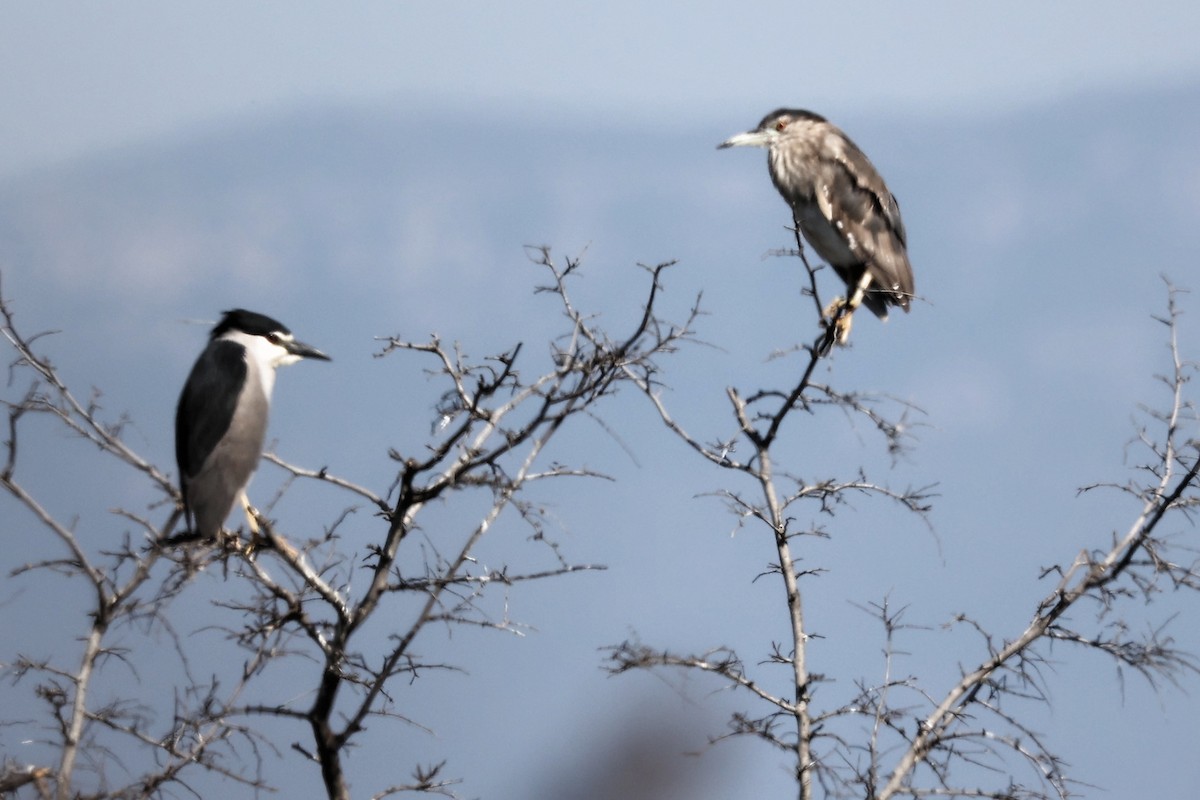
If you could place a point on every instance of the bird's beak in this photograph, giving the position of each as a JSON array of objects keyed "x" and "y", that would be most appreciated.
[
  {"x": 302, "y": 350},
  {"x": 747, "y": 139}
]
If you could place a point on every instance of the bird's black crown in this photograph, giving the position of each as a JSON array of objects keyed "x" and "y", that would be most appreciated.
[{"x": 251, "y": 322}]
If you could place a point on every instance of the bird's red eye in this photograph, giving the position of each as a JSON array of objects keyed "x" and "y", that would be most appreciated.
[{"x": 781, "y": 124}]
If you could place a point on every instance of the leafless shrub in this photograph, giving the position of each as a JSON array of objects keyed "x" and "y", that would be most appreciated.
[
  {"x": 899, "y": 736},
  {"x": 297, "y": 599}
]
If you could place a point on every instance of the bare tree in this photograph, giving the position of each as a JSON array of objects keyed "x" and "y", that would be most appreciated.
[
  {"x": 897, "y": 735},
  {"x": 301, "y": 597},
  {"x": 305, "y": 608}
]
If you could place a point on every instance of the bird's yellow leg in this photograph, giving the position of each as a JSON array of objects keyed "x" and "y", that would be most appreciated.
[
  {"x": 860, "y": 291},
  {"x": 836, "y": 321},
  {"x": 835, "y": 305},
  {"x": 840, "y": 312},
  {"x": 843, "y": 324}
]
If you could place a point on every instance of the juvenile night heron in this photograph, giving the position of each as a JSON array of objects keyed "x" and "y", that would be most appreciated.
[
  {"x": 221, "y": 420},
  {"x": 841, "y": 205}
]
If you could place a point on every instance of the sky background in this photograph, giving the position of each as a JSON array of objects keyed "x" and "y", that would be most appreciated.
[
  {"x": 76, "y": 77},
  {"x": 377, "y": 170}
]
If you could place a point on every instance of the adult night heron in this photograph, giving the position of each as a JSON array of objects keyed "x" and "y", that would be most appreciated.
[
  {"x": 221, "y": 420},
  {"x": 841, "y": 205}
]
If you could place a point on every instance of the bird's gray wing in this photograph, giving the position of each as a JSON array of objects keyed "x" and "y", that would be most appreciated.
[
  {"x": 858, "y": 202},
  {"x": 207, "y": 404}
]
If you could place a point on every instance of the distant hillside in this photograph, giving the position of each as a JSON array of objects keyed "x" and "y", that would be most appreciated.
[{"x": 1060, "y": 197}]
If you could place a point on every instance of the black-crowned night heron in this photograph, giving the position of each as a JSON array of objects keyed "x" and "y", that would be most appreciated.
[
  {"x": 841, "y": 205},
  {"x": 221, "y": 420}
]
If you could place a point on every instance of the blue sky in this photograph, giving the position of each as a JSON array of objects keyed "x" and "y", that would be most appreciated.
[
  {"x": 75, "y": 76},
  {"x": 1027, "y": 398}
]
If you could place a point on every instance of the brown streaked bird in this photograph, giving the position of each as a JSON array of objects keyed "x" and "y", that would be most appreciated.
[{"x": 841, "y": 205}]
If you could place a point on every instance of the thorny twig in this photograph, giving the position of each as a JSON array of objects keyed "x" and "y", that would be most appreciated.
[
  {"x": 298, "y": 595},
  {"x": 948, "y": 735}
]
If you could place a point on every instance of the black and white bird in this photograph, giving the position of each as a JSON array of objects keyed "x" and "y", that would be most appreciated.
[
  {"x": 841, "y": 205},
  {"x": 221, "y": 420}
]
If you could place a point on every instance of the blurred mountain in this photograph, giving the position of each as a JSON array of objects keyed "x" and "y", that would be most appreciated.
[{"x": 363, "y": 191}]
